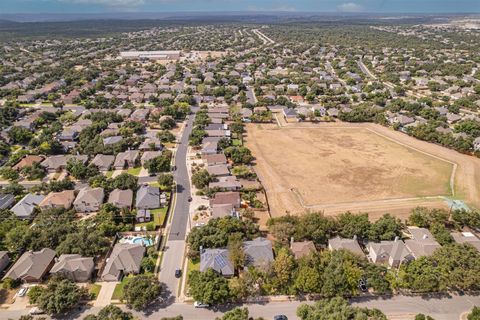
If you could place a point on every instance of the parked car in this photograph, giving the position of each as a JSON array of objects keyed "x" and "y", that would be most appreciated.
[
  {"x": 22, "y": 292},
  {"x": 362, "y": 285},
  {"x": 197, "y": 304},
  {"x": 35, "y": 310},
  {"x": 178, "y": 273},
  {"x": 280, "y": 317}
]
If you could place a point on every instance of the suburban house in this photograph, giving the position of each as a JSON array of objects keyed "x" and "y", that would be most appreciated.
[
  {"x": 218, "y": 260},
  {"x": 215, "y": 159},
  {"x": 392, "y": 252},
  {"x": 32, "y": 266},
  {"x": 466, "y": 237},
  {"x": 422, "y": 243},
  {"x": 126, "y": 159},
  {"x": 302, "y": 249},
  {"x": 221, "y": 198},
  {"x": 110, "y": 141},
  {"x": 126, "y": 258},
  {"x": 258, "y": 252},
  {"x": 220, "y": 170},
  {"x": 27, "y": 161},
  {"x": 89, "y": 200},
  {"x": 224, "y": 210},
  {"x": 26, "y": 206},
  {"x": 149, "y": 155},
  {"x": 121, "y": 198},
  {"x": 351, "y": 245},
  {"x": 229, "y": 183},
  {"x": 4, "y": 260},
  {"x": 74, "y": 267},
  {"x": 6, "y": 200},
  {"x": 103, "y": 161},
  {"x": 148, "y": 197},
  {"x": 63, "y": 199},
  {"x": 210, "y": 147},
  {"x": 57, "y": 163}
]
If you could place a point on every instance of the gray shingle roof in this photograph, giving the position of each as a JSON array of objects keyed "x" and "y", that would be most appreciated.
[
  {"x": 31, "y": 264},
  {"x": 218, "y": 260},
  {"x": 24, "y": 208},
  {"x": 258, "y": 252}
]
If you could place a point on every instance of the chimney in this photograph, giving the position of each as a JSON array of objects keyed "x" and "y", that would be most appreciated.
[
  {"x": 291, "y": 241},
  {"x": 354, "y": 237},
  {"x": 396, "y": 239},
  {"x": 425, "y": 237}
]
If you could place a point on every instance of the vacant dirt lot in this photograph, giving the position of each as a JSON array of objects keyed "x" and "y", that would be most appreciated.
[{"x": 361, "y": 167}]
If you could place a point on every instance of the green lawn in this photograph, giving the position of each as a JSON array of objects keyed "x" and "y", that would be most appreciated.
[
  {"x": 155, "y": 184},
  {"x": 236, "y": 142},
  {"x": 192, "y": 265},
  {"x": 118, "y": 292},
  {"x": 159, "y": 216},
  {"x": 94, "y": 289},
  {"x": 134, "y": 171},
  {"x": 109, "y": 174}
]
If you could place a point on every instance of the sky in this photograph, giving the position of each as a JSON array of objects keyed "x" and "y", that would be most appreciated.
[{"x": 350, "y": 6}]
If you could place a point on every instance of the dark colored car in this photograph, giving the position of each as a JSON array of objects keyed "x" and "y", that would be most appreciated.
[
  {"x": 362, "y": 285},
  {"x": 178, "y": 273},
  {"x": 280, "y": 317}
]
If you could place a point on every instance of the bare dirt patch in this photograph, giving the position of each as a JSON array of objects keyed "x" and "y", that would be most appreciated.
[{"x": 361, "y": 167}]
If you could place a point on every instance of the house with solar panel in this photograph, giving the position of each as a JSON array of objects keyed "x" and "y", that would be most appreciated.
[{"x": 218, "y": 260}]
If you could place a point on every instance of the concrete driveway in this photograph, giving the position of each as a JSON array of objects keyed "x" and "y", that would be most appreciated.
[{"x": 105, "y": 295}]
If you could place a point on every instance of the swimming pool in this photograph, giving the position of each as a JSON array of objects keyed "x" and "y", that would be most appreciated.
[
  {"x": 145, "y": 241},
  {"x": 138, "y": 240}
]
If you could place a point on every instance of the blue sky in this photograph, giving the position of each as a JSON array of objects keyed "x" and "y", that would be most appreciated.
[{"x": 103, "y": 6}]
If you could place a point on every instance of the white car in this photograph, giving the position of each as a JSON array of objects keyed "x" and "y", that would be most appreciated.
[
  {"x": 22, "y": 292},
  {"x": 197, "y": 304},
  {"x": 36, "y": 310}
]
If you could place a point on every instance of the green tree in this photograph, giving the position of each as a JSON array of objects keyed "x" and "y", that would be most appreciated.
[
  {"x": 34, "y": 294},
  {"x": 209, "y": 287},
  {"x": 79, "y": 170},
  {"x": 158, "y": 164},
  {"x": 350, "y": 225},
  {"x": 475, "y": 314},
  {"x": 282, "y": 269},
  {"x": 60, "y": 296},
  {"x": 165, "y": 180},
  {"x": 20, "y": 135},
  {"x": 111, "y": 312},
  {"x": 216, "y": 232},
  {"x": 235, "y": 314},
  {"x": 337, "y": 308},
  {"x": 385, "y": 228},
  {"x": 421, "y": 316},
  {"x": 141, "y": 291},
  {"x": 201, "y": 179},
  {"x": 239, "y": 155},
  {"x": 9, "y": 173}
]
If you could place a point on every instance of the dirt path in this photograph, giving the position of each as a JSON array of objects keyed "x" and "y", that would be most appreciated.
[{"x": 464, "y": 181}]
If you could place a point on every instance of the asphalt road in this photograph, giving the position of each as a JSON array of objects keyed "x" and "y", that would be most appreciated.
[
  {"x": 175, "y": 246},
  {"x": 180, "y": 212},
  {"x": 396, "y": 308}
]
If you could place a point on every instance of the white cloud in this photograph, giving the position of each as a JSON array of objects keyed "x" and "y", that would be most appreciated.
[
  {"x": 284, "y": 8},
  {"x": 350, "y": 7},
  {"x": 109, "y": 3}
]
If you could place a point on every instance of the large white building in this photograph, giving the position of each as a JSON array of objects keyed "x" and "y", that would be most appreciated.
[{"x": 152, "y": 55}]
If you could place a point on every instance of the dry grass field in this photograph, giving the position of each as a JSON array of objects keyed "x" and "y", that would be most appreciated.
[{"x": 339, "y": 167}]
